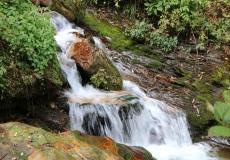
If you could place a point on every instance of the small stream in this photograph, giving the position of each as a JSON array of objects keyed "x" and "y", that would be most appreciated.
[{"x": 129, "y": 116}]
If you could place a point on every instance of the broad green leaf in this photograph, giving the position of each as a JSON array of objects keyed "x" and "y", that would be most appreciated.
[
  {"x": 220, "y": 110},
  {"x": 227, "y": 117},
  {"x": 219, "y": 131}
]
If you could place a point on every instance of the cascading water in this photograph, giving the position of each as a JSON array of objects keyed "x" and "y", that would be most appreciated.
[{"x": 128, "y": 116}]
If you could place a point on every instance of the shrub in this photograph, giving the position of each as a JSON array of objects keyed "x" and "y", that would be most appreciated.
[
  {"x": 207, "y": 21},
  {"x": 29, "y": 32},
  {"x": 100, "y": 79},
  {"x": 221, "y": 113},
  {"x": 139, "y": 31},
  {"x": 145, "y": 32}
]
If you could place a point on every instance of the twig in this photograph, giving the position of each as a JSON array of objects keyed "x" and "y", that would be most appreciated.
[{"x": 3, "y": 156}]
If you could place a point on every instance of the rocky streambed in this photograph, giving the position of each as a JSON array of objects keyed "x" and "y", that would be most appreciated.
[{"x": 181, "y": 79}]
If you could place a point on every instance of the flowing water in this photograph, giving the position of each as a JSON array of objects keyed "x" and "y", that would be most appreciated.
[{"x": 127, "y": 116}]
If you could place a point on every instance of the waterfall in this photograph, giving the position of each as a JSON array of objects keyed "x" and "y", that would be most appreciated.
[{"x": 127, "y": 116}]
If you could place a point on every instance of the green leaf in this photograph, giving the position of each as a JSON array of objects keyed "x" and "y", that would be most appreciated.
[
  {"x": 209, "y": 107},
  {"x": 222, "y": 113},
  {"x": 219, "y": 131},
  {"x": 227, "y": 117}
]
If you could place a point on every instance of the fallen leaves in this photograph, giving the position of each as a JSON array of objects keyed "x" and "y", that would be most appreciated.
[
  {"x": 186, "y": 91},
  {"x": 195, "y": 107}
]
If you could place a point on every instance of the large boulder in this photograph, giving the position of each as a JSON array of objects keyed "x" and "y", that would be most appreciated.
[
  {"x": 21, "y": 86},
  {"x": 72, "y": 9},
  {"x": 21, "y": 141},
  {"x": 95, "y": 65}
]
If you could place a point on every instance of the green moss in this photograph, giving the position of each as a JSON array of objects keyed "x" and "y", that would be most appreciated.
[
  {"x": 155, "y": 64},
  {"x": 104, "y": 74},
  {"x": 199, "y": 124},
  {"x": 124, "y": 152},
  {"x": 119, "y": 41},
  {"x": 129, "y": 154},
  {"x": 221, "y": 76},
  {"x": 205, "y": 97},
  {"x": 145, "y": 50},
  {"x": 226, "y": 95},
  {"x": 136, "y": 61},
  {"x": 184, "y": 73},
  {"x": 201, "y": 86},
  {"x": 183, "y": 81}
]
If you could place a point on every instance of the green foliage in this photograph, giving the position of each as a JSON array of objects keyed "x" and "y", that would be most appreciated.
[
  {"x": 222, "y": 113},
  {"x": 221, "y": 75},
  {"x": 219, "y": 131},
  {"x": 208, "y": 20},
  {"x": 91, "y": 2},
  {"x": 140, "y": 30},
  {"x": 209, "y": 107},
  {"x": 143, "y": 31},
  {"x": 99, "y": 79},
  {"x": 29, "y": 32},
  {"x": 226, "y": 95},
  {"x": 160, "y": 39},
  {"x": 130, "y": 10},
  {"x": 27, "y": 50}
]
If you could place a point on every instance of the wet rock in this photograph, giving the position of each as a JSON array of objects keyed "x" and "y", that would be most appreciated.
[
  {"x": 52, "y": 111},
  {"x": 81, "y": 52},
  {"x": 97, "y": 124},
  {"x": 222, "y": 143},
  {"x": 54, "y": 118},
  {"x": 93, "y": 62},
  {"x": 21, "y": 141}
]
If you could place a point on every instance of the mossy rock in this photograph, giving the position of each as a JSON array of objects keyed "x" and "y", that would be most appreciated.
[
  {"x": 146, "y": 50},
  {"x": 200, "y": 120},
  {"x": 119, "y": 41},
  {"x": 73, "y": 10},
  {"x": 111, "y": 76},
  {"x": 201, "y": 86},
  {"x": 95, "y": 66},
  {"x": 19, "y": 79},
  {"x": 132, "y": 153},
  {"x": 21, "y": 141},
  {"x": 155, "y": 65},
  {"x": 199, "y": 124},
  {"x": 136, "y": 61}
]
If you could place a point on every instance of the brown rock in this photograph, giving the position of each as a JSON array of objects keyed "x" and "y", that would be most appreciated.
[
  {"x": 67, "y": 145},
  {"x": 93, "y": 61},
  {"x": 81, "y": 52}
]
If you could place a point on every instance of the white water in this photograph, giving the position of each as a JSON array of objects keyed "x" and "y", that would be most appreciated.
[{"x": 129, "y": 116}]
